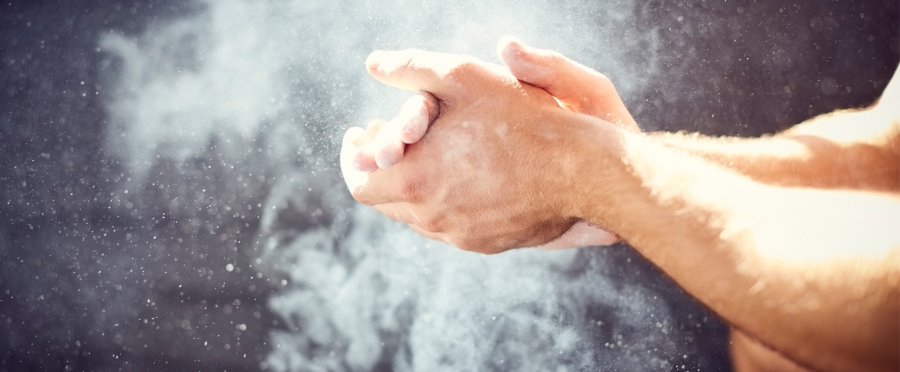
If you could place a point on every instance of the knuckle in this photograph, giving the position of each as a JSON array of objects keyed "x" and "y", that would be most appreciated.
[
  {"x": 431, "y": 224},
  {"x": 363, "y": 161},
  {"x": 467, "y": 63},
  {"x": 362, "y": 196},
  {"x": 463, "y": 67},
  {"x": 600, "y": 80},
  {"x": 373, "y": 126},
  {"x": 470, "y": 245},
  {"x": 410, "y": 190}
]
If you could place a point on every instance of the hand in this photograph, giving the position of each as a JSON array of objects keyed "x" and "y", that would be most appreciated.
[
  {"x": 490, "y": 174},
  {"x": 576, "y": 87},
  {"x": 579, "y": 89}
]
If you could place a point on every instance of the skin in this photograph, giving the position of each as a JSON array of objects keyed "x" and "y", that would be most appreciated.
[
  {"x": 819, "y": 153},
  {"x": 768, "y": 233}
]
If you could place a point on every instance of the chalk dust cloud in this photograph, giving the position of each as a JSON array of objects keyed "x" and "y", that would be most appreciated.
[{"x": 272, "y": 85}]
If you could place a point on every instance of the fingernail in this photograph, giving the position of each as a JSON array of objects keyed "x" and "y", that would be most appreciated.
[{"x": 373, "y": 61}]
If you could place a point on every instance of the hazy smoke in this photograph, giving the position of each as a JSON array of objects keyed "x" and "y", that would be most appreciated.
[
  {"x": 384, "y": 295},
  {"x": 273, "y": 84},
  {"x": 281, "y": 66}
]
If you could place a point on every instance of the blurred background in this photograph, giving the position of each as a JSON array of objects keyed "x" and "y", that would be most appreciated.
[{"x": 170, "y": 198}]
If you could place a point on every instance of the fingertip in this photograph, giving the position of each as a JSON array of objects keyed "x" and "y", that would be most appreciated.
[
  {"x": 388, "y": 156},
  {"x": 355, "y": 165},
  {"x": 373, "y": 127},
  {"x": 510, "y": 49},
  {"x": 414, "y": 130},
  {"x": 508, "y": 44},
  {"x": 355, "y": 151},
  {"x": 374, "y": 61},
  {"x": 364, "y": 161},
  {"x": 418, "y": 113},
  {"x": 387, "y": 147},
  {"x": 354, "y": 136}
]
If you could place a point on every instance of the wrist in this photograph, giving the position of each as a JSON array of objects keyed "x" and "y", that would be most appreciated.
[{"x": 593, "y": 168}]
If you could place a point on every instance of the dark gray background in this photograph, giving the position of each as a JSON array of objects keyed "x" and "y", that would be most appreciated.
[{"x": 89, "y": 285}]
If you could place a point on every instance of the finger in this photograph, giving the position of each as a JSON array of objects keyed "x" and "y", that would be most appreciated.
[
  {"x": 574, "y": 85},
  {"x": 354, "y": 139},
  {"x": 354, "y": 145},
  {"x": 364, "y": 158},
  {"x": 582, "y": 234},
  {"x": 374, "y": 126},
  {"x": 415, "y": 69},
  {"x": 379, "y": 186},
  {"x": 562, "y": 78},
  {"x": 408, "y": 127},
  {"x": 387, "y": 146},
  {"x": 416, "y": 115},
  {"x": 382, "y": 186}
]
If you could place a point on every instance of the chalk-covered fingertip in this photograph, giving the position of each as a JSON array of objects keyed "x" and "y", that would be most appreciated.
[
  {"x": 509, "y": 44},
  {"x": 388, "y": 157},
  {"x": 364, "y": 161},
  {"x": 354, "y": 136},
  {"x": 417, "y": 114},
  {"x": 374, "y": 61}
]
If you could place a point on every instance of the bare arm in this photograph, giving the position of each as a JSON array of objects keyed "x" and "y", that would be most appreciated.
[
  {"x": 814, "y": 274},
  {"x": 841, "y": 150}
]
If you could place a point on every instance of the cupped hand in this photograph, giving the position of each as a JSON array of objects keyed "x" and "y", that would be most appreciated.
[
  {"x": 493, "y": 172},
  {"x": 577, "y": 88}
]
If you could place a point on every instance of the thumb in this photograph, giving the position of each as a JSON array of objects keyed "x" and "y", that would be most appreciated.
[
  {"x": 415, "y": 69},
  {"x": 576, "y": 87}
]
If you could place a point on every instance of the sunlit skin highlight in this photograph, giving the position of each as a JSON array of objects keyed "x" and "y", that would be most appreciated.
[{"x": 790, "y": 238}]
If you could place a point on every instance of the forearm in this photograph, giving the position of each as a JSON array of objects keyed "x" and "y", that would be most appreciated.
[
  {"x": 847, "y": 150},
  {"x": 750, "y": 252}
]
